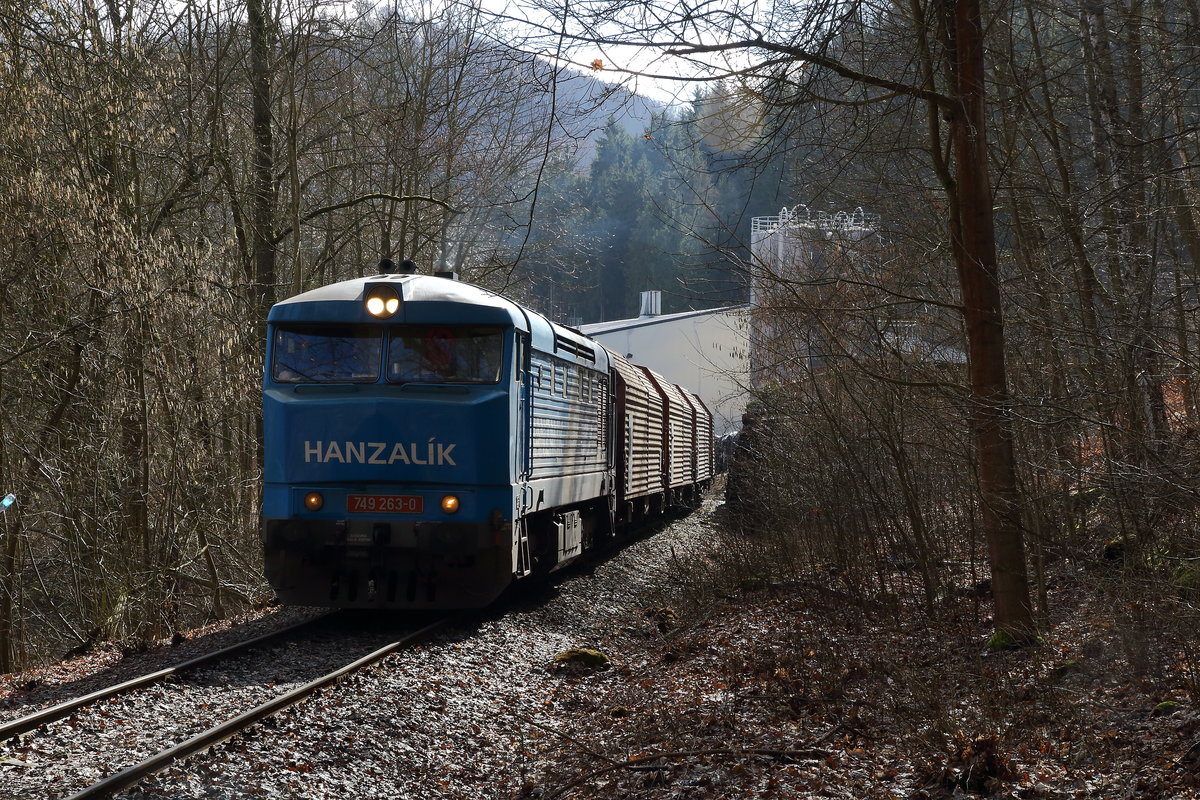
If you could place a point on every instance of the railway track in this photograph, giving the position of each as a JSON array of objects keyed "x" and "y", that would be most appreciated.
[{"x": 172, "y": 713}]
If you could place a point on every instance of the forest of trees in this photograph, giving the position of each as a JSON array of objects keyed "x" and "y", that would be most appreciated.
[
  {"x": 168, "y": 170},
  {"x": 669, "y": 209},
  {"x": 1034, "y": 169}
]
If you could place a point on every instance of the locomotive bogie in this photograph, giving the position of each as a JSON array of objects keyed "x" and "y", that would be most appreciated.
[{"x": 380, "y": 564}]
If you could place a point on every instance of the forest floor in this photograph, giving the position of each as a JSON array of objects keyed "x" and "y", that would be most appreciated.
[
  {"x": 798, "y": 689},
  {"x": 761, "y": 689},
  {"x": 794, "y": 690}
]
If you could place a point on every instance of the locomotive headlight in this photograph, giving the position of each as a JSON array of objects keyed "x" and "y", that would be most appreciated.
[
  {"x": 450, "y": 504},
  {"x": 313, "y": 501},
  {"x": 382, "y": 300}
]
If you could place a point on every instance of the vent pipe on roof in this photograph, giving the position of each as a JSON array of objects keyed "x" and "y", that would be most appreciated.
[{"x": 651, "y": 304}]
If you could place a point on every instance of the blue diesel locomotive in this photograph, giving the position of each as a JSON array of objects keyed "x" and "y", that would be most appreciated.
[{"x": 426, "y": 442}]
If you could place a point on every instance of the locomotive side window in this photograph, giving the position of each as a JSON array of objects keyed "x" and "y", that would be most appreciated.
[
  {"x": 523, "y": 356},
  {"x": 327, "y": 354},
  {"x": 445, "y": 354}
]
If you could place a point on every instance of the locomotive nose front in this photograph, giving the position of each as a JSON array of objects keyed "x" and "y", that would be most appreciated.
[{"x": 387, "y": 462}]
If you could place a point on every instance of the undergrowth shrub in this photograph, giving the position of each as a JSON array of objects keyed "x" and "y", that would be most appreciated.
[{"x": 865, "y": 483}]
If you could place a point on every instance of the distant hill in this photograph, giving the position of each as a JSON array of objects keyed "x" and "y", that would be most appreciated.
[{"x": 587, "y": 103}]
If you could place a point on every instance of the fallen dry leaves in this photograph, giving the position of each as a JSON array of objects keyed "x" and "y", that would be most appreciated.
[{"x": 795, "y": 690}]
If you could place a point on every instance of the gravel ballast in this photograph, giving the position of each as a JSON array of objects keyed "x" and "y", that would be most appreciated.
[
  {"x": 467, "y": 715},
  {"x": 473, "y": 713},
  {"x": 706, "y": 686},
  {"x": 62, "y": 757}
]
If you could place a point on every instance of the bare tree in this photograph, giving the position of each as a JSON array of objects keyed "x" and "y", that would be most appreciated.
[
  {"x": 781, "y": 52},
  {"x": 169, "y": 170}
]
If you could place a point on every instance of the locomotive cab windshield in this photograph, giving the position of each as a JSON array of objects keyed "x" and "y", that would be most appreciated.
[
  {"x": 445, "y": 354},
  {"x": 327, "y": 354},
  {"x": 459, "y": 354}
]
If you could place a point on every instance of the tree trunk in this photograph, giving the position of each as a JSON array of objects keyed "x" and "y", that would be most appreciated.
[
  {"x": 974, "y": 244},
  {"x": 263, "y": 215},
  {"x": 10, "y": 544}
]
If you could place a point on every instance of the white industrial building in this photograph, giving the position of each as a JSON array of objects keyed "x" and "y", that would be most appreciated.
[
  {"x": 706, "y": 352},
  {"x": 800, "y": 255},
  {"x": 818, "y": 294},
  {"x": 720, "y": 353}
]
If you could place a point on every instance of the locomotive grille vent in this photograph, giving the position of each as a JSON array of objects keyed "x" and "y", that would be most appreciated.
[{"x": 576, "y": 349}]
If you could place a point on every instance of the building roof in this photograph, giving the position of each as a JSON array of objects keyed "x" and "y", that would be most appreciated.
[{"x": 615, "y": 326}]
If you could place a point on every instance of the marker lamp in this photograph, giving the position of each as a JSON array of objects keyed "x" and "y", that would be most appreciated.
[
  {"x": 382, "y": 301},
  {"x": 313, "y": 501},
  {"x": 450, "y": 504}
]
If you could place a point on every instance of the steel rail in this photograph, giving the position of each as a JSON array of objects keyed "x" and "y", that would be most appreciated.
[
  {"x": 57, "y": 712},
  {"x": 131, "y": 775}
]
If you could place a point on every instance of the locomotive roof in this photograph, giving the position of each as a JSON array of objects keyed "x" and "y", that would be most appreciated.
[
  {"x": 414, "y": 289},
  {"x": 343, "y": 301}
]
